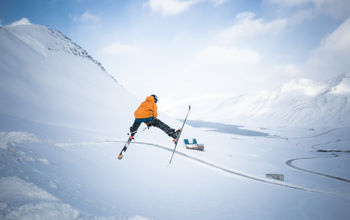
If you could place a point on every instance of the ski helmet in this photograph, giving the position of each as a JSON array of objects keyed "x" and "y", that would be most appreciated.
[{"x": 155, "y": 98}]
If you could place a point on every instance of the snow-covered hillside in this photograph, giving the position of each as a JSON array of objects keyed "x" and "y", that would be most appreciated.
[
  {"x": 46, "y": 77},
  {"x": 64, "y": 119},
  {"x": 300, "y": 102}
]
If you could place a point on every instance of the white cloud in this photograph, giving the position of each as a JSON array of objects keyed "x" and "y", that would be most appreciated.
[
  {"x": 218, "y": 2},
  {"x": 228, "y": 55},
  {"x": 173, "y": 7},
  {"x": 87, "y": 18},
  {"x": 293, "y": 3},
  {"x": 339, "y": 40},
  {"x": 334, "y": 8},
  {"x": 296, "y": 3},
  {"x": 118, "y": 48},
  {"x": 170, "y": 7},
  {"x": 343, "y": 87},
  {"x": 247, "y": 26},
  {"x": 239, "y": 66},
  {"x": 306, "y": 86},
  {"x": 287, "y": 70},
  {"x": 332, "y": 56},
  {"x": 225, "y": 69}
]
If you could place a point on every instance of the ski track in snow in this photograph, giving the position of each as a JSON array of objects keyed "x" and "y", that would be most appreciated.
[
  {"x": 316, "y": 135},
  {"x": 241, "y": 174},
  {"x": 224, "y": 169},
  {"x": 290, "y": 164},
  {"x": 324, "y": 133}
]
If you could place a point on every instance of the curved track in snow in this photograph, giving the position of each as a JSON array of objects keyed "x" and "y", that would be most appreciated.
[
  {"x": 225, "y": 169},
  {"x": 323, "y": 133},
  {"x": 239, "y": 173},
  {"x": 290, "y": 164},
  {"x": 333, "y": 155}
]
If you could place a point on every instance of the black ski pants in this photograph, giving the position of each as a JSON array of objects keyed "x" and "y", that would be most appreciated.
[{"x": 155, "y": 122}]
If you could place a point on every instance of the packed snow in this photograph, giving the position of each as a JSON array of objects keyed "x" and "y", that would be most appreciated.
[{"x": 64, "y": 120}]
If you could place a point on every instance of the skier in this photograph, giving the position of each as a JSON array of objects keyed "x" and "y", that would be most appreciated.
[{"x": 147, "y": 113}]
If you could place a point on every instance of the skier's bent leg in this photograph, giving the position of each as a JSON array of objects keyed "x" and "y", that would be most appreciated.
[
  {"x": 134, "y": 127},
  {"x": 164, "y": 127}
]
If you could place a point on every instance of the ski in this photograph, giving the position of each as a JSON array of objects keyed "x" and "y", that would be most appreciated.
[
  {"x": 178, "y": 137},
  {"x": 120, "y": 156}
]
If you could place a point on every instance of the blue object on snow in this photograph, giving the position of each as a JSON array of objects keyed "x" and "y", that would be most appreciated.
[
  {"x": 192, "y": 144},
  {"x": 190, "y": 141}
]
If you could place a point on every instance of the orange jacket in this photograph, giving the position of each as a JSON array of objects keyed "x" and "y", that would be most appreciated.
[{"x": 147, "y": 109}]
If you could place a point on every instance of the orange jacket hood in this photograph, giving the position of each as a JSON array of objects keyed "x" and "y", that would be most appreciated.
[{"x": 147, "y": 108}]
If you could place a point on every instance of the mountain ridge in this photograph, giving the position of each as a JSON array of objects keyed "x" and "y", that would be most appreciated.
[
  {"x": 298, "y": 102},
  {"x": 58, "y": 42}
]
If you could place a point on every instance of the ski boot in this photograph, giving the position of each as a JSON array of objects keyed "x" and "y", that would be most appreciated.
[
  {"x": 176, "y": 135},
  {"x": 131, "y": 137}
]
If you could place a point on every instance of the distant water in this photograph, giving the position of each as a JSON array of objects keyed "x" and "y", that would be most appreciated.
[{"x": 226, "y": 128}]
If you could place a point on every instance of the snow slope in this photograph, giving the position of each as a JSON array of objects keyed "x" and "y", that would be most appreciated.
[
  {"x": 46, "y": 77},
  {"x": 84, "y": 180},
  {"x": 63, "y": 120},
  {"x": 37, "y": 203}
]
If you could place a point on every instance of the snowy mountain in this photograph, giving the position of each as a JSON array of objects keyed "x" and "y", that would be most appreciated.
[
  {"x": 46, "y": 77},
  {"x": 63, "y": 121},
  {"x": 300, "y": 102}
]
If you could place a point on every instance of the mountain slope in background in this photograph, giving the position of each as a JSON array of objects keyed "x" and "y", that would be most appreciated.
[
  {"x": 301, "y": 102},
  {"x": 47, "y": 78}
]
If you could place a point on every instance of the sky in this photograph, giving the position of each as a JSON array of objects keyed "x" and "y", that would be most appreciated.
[{"x": 180, "y": 49}]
